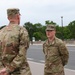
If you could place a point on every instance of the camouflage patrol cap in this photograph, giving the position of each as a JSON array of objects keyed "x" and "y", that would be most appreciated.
[
  {"x": 12, "y": 11},
  {"x": 50, "y": 27}
]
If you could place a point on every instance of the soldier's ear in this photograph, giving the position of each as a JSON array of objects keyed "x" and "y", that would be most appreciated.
[{"x": 16, "y": 15}]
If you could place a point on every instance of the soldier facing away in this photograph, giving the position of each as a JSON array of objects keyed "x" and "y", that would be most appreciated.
[
  {"x": 56, "y": 53},
  {"x": 14, "y": 42}
]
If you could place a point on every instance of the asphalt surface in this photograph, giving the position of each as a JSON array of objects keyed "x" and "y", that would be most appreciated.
[
  {"x": 35, "y": 54},
  {"x": 38, "y": 69}
]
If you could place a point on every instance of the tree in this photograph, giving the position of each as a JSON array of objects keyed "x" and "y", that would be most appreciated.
[
  {"x": 37, "y": 30},
  {"x": 29, "y": 27},
  {"x": 58, "y": 32},
  {"x": 71, "y": 28},
  {"x": 49, "y": 22},
  {"x": 39, "y": 33},
  {"x": 66, "y": 32}
]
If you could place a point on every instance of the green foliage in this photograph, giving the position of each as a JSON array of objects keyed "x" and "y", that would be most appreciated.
[
  {"x": 49, "y": 22},
  {"x": 35, "y": 30},
  {"x": 29, "y": 26},
  {"x": 71, "y": 28},
  {"x": 66, "y": 33},
  {"x": 59, "y": 32},
  {"x": 38, "y": 30}
]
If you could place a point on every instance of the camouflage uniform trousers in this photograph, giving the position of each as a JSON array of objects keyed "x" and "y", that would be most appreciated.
[{"x": 59, "y": 73}]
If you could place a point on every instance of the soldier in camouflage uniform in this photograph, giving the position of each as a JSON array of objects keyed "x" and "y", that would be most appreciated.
[
  {"x": 14, "y": 42},
  {"x": 56, "y": 53}
]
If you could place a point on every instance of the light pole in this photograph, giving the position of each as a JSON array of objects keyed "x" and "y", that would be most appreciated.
[
  {"x": 62, "y": 21},
  {"x": 62, "y": 27}
]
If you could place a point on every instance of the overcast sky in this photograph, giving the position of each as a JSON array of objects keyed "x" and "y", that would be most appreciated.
[{"x": 38, "y": 11}]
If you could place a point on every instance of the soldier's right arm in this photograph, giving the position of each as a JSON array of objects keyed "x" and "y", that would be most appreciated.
[{"x": 43, "y": 49}]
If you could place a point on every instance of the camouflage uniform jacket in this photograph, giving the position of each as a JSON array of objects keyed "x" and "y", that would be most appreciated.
[
  {"x": 56, "y": 56},
  {"x": 14, "y": 42}
]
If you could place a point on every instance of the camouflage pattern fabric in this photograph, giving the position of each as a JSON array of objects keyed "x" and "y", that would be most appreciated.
[
  {"x": 13, "y": 11},
  {"x": 56, "y": 57},
  {"x": 59, "y": 73},
  {"x": 14, "y": 42}
]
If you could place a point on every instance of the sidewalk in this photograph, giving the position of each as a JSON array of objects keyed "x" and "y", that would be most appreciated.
[
  {"x": 70, "y": 44},
  {"x": 38, "y": 69},
  {"x": 66, "y": 44}
]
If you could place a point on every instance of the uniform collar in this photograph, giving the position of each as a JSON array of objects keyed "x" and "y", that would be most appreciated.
[{"x": 51, "y": 43}]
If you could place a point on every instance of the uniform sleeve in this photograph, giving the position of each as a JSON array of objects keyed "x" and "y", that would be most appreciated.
[
  {"x": 21, "y": 57},
  {"x": 43, "y": 49},
  {"x": 64, "y": 54}
]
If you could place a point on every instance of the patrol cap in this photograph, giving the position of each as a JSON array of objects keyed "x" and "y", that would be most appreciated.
[
  {"x": 12, "y": 11},
  {"x": 50, "y": 27}
]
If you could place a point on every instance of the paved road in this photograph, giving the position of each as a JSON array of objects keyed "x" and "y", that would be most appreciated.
[
  {"x": 35, "y": 54},
  {"x": 38, "y": 69}
]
